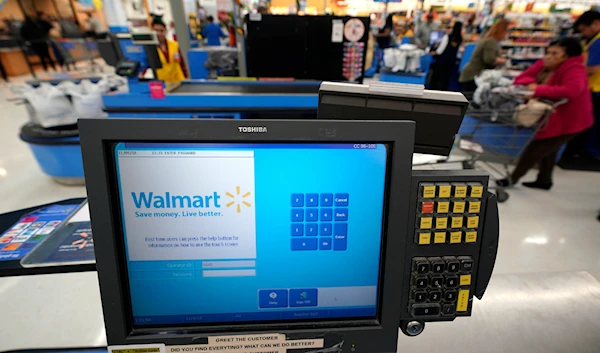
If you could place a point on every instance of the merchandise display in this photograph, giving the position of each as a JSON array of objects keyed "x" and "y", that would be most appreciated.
[{"x": 30, "y": 230}]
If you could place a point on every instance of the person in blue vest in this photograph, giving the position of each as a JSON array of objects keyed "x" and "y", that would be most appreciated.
[
  {"x": 212, "y": 32},
  {"x": 445, "y": 58}
]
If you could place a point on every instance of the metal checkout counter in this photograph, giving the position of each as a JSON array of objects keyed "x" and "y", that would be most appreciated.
[{"x": 437, "y": 240}]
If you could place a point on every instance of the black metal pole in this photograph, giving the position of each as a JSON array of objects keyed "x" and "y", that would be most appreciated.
[{"x": 56, "y": 9}]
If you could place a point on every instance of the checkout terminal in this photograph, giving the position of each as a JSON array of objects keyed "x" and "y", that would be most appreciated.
[{"x": 277, "y": 235}]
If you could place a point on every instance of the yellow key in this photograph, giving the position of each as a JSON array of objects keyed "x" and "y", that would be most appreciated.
[
  {"x": 470, "y": 236},
  {"x": 441, "y": 223},
  {"x": 474, "y": 206},
  {"x": 465, "y": 280},
  {"x": 439, "y": 237},
  {"x": 455, "y": 237},
  {"x": 429, "y": 191},
  {"x": 460, "y": 191},
  {"x": 458, "y": 207},
  {"x": 426, "y": 222},
  {"x": 443, "y": 207},
  {"x": 424, "y": 238},
  {"x": 456, "y": 222},
  {"x": 476, "y": 191},
  {"x": 472, "y": 221},
  {"x": 463, "y": 300},
  {"x": 444, "y": 191}
]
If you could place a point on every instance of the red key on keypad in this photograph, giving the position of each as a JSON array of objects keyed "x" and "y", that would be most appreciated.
[{"x": 427, "y": 207}]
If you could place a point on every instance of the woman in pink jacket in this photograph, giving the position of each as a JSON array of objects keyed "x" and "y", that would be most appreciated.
[{"x": 561, "y": 74}]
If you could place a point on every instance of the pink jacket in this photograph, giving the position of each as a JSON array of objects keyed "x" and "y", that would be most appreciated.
[{"x": 568, "y": 81}]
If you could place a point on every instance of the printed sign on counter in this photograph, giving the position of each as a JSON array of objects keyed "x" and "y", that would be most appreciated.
[
  {"x": 261, "y": 343},
  {"x": 337, "y": 31},
  {"x": 157, "y": 90}
]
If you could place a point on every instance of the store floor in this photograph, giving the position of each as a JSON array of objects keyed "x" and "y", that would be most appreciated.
[{"x": 540, "y": 232}]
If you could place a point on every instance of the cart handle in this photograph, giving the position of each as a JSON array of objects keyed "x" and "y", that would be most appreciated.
[{"x": 554, "y": 103}]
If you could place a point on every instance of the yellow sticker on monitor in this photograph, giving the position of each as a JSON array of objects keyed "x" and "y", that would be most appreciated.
[{"x": 138, "y": 348}]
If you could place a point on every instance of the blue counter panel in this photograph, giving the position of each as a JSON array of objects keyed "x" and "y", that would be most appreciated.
[{"x": 218, "y": 102}]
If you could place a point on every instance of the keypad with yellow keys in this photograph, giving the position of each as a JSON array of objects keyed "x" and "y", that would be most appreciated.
[
  {"x": 448, "y": 210},
  {"x": 448, "y": 213}
]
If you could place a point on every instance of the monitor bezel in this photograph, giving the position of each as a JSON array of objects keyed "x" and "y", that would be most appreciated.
[{"x": 97, "y": 140}]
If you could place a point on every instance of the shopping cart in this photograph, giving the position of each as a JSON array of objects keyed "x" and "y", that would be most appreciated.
[
  {"x": 495, "y": 137},
  {"x": 80, "y": 49}
]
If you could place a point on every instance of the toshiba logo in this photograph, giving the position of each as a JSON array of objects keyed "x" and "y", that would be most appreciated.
[{"x": 252, "y": 129}]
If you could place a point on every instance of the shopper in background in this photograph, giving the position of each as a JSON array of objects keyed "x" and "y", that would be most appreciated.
[
  {"x": 410, "y": 30},
  {"x": 485, "y": 56},
  {"x": 213, "y": 33},
  {"x": 3, "y": 72},
  {"x": 471, "y": 27},
  {"x": 445, "y": 58},
  {"x": 94, "y": 28},
  {"x": 423, "y": 35},
  {"x": 588, "y": 24},
  {"x": 561, "y": 74},
  {"x": 60, "y": 53},
  {"x": 173, "y": 67},
  {"x": 406, "y": 31},
  {"x": 384, "y": 37},
  {"x": 36, "y": 32}
]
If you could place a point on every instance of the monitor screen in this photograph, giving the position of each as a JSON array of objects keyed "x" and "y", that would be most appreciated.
[
  {"x": 264, "y": 232},
  {"x": 436, "y": 36}
]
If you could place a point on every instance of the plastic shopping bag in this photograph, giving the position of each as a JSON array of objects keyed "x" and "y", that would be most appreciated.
[
  {"x": 389, "y": 57},
  {"x": 49, "y": 106},
  {"x": 87, "y": 100}
]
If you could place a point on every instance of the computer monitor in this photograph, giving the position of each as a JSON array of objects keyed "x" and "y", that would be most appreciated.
[
  {"x": 436, "y": 37},
  {"x": 213, "y": 228}
]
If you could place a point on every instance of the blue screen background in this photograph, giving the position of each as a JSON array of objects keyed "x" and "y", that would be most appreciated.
[{"x": 280, "y": 170}]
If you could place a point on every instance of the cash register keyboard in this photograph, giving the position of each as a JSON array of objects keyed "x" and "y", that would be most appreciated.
[
  {"x": 440, "y": 285},
  {"x": 446, "y": 244}
]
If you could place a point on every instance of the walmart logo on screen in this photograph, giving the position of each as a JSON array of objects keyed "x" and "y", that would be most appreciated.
[{"x": 167, "y": 200}]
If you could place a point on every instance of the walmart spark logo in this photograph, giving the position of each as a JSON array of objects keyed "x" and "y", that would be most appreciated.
[{"x": 237, "y": 196}]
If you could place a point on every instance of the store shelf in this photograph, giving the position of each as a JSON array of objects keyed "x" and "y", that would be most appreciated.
[
  {"x": 532, "y": 29},
  {"x": 524, "y": 58},
  {"x": 531, "y": 45},
  {"x": 531, "y": 36}
]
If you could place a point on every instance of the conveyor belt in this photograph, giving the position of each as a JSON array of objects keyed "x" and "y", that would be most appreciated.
[
  {"x": 57, "y": 80},
  {"x": 262, "y": 88}
]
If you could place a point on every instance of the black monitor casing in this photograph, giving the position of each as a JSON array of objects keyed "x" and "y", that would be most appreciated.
[
  {"x": 438, "y": 114},
  {"x": 98, "y": 137}
]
